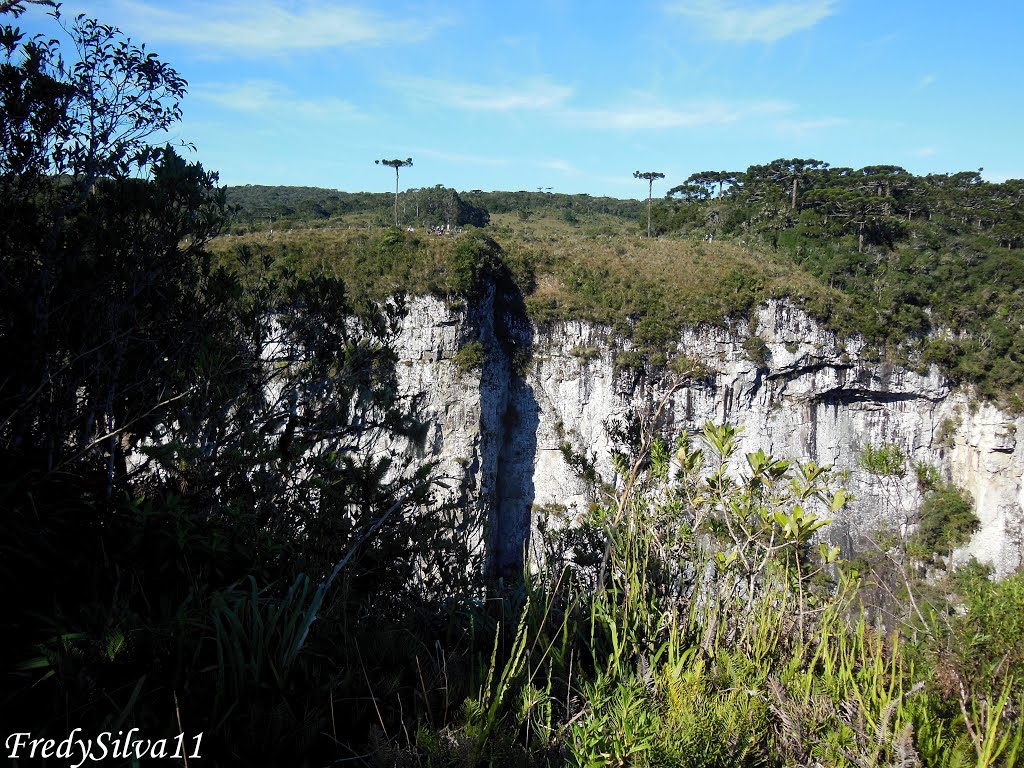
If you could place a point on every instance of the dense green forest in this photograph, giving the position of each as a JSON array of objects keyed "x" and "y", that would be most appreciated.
[
  {"x": 199, "y": 536},
  {"x": 259, "y": 207}
]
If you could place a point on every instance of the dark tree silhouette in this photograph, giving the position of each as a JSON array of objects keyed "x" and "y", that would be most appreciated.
[
  {"x": 650, "y": 176},
  {"x": 710, "y": 180},
  {"x": 396, "y": 164},
  {"x": 690, "y": 192},
  {"x": 789, "y": 175},
  {"x": 17, "y": 7}
]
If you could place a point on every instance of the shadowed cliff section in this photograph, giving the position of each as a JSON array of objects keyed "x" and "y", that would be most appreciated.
[
  {"x": 517, "y": 447},
  {"x": 509, "y": 411}
]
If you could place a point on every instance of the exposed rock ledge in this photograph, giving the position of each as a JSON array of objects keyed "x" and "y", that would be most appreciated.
[{"x": 816, "y": 397}]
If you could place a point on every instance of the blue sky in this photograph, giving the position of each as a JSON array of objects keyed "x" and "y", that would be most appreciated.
[{"x": 576, "y": 95}]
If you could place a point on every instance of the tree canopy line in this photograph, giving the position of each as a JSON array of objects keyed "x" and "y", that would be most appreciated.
[
  {"x": 218, "y": 517},
  {"x": 879, "y": 204},
  {"x": 258, "y": 207}
]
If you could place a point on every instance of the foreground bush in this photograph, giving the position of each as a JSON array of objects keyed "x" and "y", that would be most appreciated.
[{"x": 697, "y": 620}]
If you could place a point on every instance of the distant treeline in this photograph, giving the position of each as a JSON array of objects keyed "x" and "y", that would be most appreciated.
[
  {"x": 266, "y": 206},
  {"x": 878, "y": 204}
]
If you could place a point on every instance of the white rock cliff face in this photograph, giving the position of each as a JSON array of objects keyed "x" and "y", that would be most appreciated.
[{"x": 816, "y": 397}]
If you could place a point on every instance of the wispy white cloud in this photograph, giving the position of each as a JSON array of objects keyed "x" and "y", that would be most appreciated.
[
  {"x": 536, "y": 94},
  {"x": 927, "y": 80},
  {"x": 265, "y": 97},
  {"x": 639, "y": 111},
  {"x": 653, "y": 116},
  {"x": 744, "y": 21},
  {"x": 801, "y": 128},
  {"x": 261, "y": 27},
  {"x": 460, "y": 158},
  {"x": 925, "y": 151},
  {"x": 562, "y": 166}
]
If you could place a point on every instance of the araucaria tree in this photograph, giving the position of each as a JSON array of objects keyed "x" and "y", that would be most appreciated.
[
  {"x": 396, "y": 164},
  {"x": 650, "y": 176}
]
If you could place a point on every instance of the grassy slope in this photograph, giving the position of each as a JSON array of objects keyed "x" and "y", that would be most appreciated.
[{"x": 599, "y": 270}]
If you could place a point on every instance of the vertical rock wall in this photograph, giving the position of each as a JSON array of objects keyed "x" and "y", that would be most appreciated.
[{"x": 498, "y": 429}]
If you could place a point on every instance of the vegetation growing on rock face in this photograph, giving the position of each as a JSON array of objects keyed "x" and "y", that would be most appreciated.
[
  {"x": 757, "y": 350},
  {"x": 945, "y": 521},
  {"x": 644, "y": 291},
  {"x": 885, "y": 460},
  {"x": 470, "y": 357}
]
